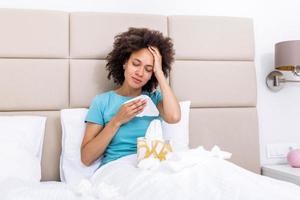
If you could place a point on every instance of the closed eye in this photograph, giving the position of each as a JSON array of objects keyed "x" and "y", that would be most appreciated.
[
  {"x": 149, "y": 69},
  {"x": 135, "y": 64}
]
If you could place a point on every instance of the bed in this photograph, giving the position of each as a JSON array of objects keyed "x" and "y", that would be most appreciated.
[{"x": 54, "y": 60}]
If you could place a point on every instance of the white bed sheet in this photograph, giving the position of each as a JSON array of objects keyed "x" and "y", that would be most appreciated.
[
  {"x": 16, "y": 189},
  {"x": 194, "y": 175}
]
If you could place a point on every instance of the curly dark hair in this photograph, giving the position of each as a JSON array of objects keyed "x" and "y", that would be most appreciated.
[{"x": 133, "y": 40}]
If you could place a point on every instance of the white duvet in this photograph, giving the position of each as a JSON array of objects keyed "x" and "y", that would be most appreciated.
[{"x": 194, "y": 174}]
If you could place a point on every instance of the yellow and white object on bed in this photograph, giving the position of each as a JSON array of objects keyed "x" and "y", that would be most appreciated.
[{"x": 153, "y": 145}]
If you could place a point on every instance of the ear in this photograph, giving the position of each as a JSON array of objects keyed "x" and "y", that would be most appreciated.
[{"x": 125, "y": 64}]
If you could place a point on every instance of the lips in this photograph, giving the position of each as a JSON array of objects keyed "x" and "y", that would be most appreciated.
[{"x": 136, "y": 80}]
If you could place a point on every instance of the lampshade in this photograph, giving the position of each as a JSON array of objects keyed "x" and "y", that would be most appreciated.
[
  {"x": 287, "y": 58},
  {"x": 287, "y": 55}
]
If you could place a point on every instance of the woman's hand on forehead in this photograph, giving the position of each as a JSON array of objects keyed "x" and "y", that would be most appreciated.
[{"x": 157, "y": 58}]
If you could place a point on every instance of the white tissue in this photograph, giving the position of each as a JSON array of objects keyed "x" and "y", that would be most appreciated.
[
  {"x": 216, "y": 152},
  {"x": 84, "y": 188},
  {"x": 177, "y": 161},
  {"x": 91, "y": 191},
  {"x": 154, "y": 131},
  {"x": 149, "y": 110}
]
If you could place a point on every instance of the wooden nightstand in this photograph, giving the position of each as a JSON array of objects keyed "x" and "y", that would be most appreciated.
[{"x": 282, "y": 172}]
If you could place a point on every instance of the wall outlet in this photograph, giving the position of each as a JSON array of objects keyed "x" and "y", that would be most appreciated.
[{"x": 280, "y": 150}]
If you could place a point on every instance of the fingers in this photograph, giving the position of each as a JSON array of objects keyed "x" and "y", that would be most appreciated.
[
  {"x": 135, "y": 106},
  {"x": 154, "y": 50},
  {"x": 131, "y": 109},
  {"x": 139, "y": 111},
  {"x": 139, "y": 106},
  {"x": 133, "y": 102}
]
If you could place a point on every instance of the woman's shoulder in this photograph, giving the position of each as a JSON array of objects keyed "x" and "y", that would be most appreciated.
[
  {"x": 103, "y": 96},
  {"x": 151, "y": 94},
  {"x": 155, "y": 96}
]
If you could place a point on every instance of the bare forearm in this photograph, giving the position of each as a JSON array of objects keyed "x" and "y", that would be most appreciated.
[
  {"x": 96, "y": 147},
  {"x": 171, "y": 106}
]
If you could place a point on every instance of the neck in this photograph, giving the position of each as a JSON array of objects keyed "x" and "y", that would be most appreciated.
[{"x": 125, "y": 90}]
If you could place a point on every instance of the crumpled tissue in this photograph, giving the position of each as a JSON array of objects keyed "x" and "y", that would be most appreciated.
[{"x": 177, "y": 161}]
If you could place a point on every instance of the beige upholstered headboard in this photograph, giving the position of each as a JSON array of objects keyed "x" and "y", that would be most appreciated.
[{"x": 51, "y": 60}]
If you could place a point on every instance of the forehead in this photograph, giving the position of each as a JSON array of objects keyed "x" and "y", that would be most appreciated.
[{"x": 144, "y": 55}]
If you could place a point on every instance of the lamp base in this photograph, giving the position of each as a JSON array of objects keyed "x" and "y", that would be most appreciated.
[{"x": 275, "y": 80}]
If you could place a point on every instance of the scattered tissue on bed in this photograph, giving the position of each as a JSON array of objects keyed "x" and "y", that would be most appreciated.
[
  {"x": 177, "y": 161},
  {"x": 216, "y": 152},
  {"x": 152, "y": 148}
]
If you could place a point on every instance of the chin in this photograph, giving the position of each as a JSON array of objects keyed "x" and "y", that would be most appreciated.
[{"x": 136, "y": 86}]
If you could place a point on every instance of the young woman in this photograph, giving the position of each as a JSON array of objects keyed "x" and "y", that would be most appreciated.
[{"x": 139, "y": 62}]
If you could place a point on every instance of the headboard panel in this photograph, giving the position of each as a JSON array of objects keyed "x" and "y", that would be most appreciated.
[
  {"x": 34, "y": 34},
  {"x": 34, "y": 84},
  {"x": 212, "y": 38},
  {"x": 92, "y": 34},
  {"x": 215, "y": 83},
  {"x": 58, "y": 62},
  {"x": 232, "y": 129}
]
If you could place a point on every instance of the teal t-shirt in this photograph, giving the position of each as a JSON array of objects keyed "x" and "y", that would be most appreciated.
[{"x": 106, "y": 105}]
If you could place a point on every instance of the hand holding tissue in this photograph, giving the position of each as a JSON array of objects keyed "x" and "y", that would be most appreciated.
[
  {"x": 149, "y": 110},
  {"x": 152, "y": 148}
]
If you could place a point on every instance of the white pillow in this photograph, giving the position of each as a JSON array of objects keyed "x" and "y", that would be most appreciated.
[
  {"x": 72, "y": 170},
  {"x": 178, "y": 133},
  {"x": 18, "y": 162},
  {"x": 21, "y": 141}
]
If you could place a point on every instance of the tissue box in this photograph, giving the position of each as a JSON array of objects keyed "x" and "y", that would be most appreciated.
[{"x": 155, "y": 148}]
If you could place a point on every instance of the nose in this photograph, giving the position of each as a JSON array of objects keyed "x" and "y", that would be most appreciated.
[{"x": 140, "y": 71}]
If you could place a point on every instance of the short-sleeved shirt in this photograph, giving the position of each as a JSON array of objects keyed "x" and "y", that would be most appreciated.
[{"x": 106, "y": 105}]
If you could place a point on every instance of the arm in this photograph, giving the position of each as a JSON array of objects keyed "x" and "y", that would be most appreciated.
[
  {"x": 94, "y": 144},
  {"x": 97, "y": 137},
  {"x": 169, "y": 107}
]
